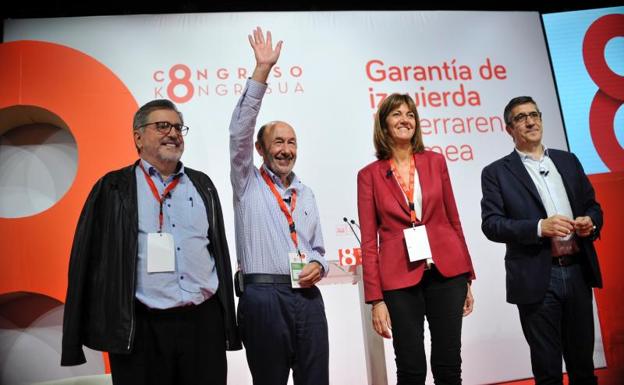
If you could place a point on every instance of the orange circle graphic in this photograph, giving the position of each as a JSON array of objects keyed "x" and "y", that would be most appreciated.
[{"x": 98, "y": 108}]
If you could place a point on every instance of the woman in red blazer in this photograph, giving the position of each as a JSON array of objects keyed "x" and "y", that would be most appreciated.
[{"x": 409, "y": 187}]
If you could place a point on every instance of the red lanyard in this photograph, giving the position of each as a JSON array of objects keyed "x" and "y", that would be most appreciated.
[
  {"x": 409, "y": 192},
  {"x": 282, "y": 205},
  {"x": 159, "y": 198}
]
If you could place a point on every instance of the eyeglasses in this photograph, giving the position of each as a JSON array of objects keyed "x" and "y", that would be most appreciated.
[
  {"x": 522, "y": 118},
  {"x": 164, "y": 128}
]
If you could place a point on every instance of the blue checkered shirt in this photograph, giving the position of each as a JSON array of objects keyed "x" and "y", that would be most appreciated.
[{"x": 262, "y": 234}]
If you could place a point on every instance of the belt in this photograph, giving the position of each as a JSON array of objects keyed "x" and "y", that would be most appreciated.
[
  {"x": 565, "y": 260},
  {"x": 266, "y": 278}
]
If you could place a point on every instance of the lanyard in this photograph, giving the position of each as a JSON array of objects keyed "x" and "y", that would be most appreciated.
[
  {"x": 159, "y": 198},
  {"x": 282, "y": 205},
  {"x": 409, "y": 192}
]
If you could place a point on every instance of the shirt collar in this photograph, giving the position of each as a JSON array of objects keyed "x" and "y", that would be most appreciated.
[
  {"x": 294, "y": 183},
  {"x": 526, "y": 157},
  {"x": 151, "y": 170}
]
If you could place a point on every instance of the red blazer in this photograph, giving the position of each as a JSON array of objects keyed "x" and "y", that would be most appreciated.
[{"x": 383, "y": 212}]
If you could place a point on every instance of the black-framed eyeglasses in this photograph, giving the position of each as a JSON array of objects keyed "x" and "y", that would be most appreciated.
[
  {"x": 522, "y": 117},
  {"x": 164, "y": 128}
]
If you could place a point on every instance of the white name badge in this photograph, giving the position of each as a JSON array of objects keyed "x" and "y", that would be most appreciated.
[
  {"x": 160, "y": 253},
  {"x": 296, "y": 263},
  {"x": 417, "y": 243}
]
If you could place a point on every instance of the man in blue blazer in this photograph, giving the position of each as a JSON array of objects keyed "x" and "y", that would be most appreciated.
[{"x": 540, "y": 203}]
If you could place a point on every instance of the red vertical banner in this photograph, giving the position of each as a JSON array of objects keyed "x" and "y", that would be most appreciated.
[
  {"x": 610, "y": 95},
  {"x": 609, "y": 188}
]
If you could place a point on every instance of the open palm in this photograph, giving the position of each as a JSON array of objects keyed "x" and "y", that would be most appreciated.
[{"x": 263, "y": 49}]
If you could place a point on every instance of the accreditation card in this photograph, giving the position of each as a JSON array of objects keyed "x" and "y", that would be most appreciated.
[{"x": 417, "y": 243}]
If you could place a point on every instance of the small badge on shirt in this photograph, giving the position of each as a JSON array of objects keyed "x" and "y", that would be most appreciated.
[
  {"x": 296, "y": 262},
  {"x": 160, "y": 253}
]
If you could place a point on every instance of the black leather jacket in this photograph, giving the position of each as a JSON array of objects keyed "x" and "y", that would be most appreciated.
[{"x": 99, "y": 307}]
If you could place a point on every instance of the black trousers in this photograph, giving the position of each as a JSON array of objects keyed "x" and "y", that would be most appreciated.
[
  {"x": 561, "y": 324},
  {"x": 441, "y": 300},
  {"x": 284, "y": 328},
  {"x": 182, "y": 347}
]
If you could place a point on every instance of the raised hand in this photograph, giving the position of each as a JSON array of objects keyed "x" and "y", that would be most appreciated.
[{"x": 266, "y": 55}]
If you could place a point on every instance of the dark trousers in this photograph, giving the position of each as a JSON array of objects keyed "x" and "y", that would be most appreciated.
[
  {"x": 562, "y": 324},
  {"x": 183, "y": 347},
  {"x": 441, "y": 300},
  {"x": 284, "y": 328}
]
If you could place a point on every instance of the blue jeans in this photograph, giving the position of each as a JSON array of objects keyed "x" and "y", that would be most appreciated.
[{"x": 561, "y": 324}]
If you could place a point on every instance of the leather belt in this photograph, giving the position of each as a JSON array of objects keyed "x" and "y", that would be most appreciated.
[
  {"x": 266, "y": 278},
  {"x": 565, "y": 260},
  {"x": 173, "y": 310}
]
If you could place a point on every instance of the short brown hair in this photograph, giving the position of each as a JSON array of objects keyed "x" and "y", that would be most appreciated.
[
  {"x": 516, "y": 102},
  {"x": 140, "y": 117},
  {"x": 382, "y": 140}
]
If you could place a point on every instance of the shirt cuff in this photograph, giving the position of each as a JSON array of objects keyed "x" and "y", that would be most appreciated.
[{"x": 539, "y": 228}]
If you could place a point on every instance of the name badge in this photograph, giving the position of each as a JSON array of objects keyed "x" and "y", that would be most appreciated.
[
  {"x": 417, "y": 243},
  {"x": 296, "y": 263},
  {"x": 160, "y": 253}
]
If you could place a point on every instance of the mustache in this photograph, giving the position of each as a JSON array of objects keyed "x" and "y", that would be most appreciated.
[
  {"x": 177, "y": 142},
  {"x": 284, "y": 156}
]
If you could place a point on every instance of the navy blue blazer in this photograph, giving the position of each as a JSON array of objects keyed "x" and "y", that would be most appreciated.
[{"x": 510, "y": 210}]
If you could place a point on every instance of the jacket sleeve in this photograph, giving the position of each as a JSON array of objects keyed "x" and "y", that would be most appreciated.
[
  {"x": 367, "y": 214},
  {"x": 222, "y": 258},
  {"x": 495, "y": 223},
  {"x": 453, "y": 215},
  {"x": 72, "y": 353},
  {"x": 591, "y": 207}
]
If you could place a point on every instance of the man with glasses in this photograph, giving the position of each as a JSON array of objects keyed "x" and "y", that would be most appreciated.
[
  {"x": 540, "y": 203},
  {"x": 150, "y": 280}
]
